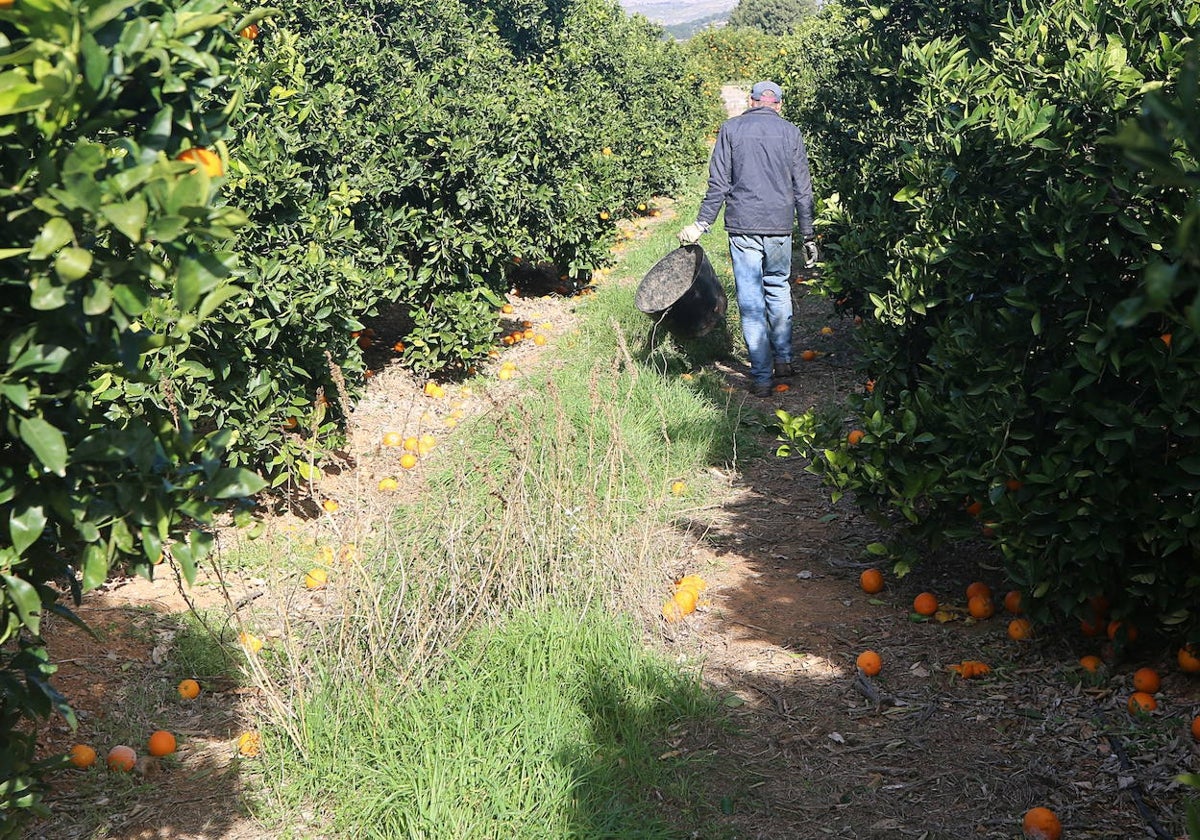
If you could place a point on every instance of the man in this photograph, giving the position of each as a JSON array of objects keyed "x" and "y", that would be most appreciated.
[{"x": 759, "y": 171}]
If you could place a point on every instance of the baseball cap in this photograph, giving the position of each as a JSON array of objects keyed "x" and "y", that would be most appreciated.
[{"x": 768, "y": 91}]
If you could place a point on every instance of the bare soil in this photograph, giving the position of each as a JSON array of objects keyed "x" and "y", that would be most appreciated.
[{"x": 814, "y": 749}]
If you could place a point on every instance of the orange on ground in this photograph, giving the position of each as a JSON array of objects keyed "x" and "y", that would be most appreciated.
[
  {"x": 121, "y": 758},
  {"x": 671, "y": 611},
  {"x": 82, "y": 756},
  {"x": 692, "y": 581},
  {"x": 1140, "y": 701},
  {"x": 781, "y": 387},
  {"x": 1020, "y": 629},
  {"x": 408, "y": 460},
  {"x": 388, "y": 484},
  {"x": 507, "y": 309},
  {"x": 316, "y": 579},
  {"x": 1012, "y": 602},
  {"x": 411, "y": 443},
  {"x": 855, "y": 436},
  {"x": 189, "y": 689},
  {"x": 678, "y": 488},
  {"x": 808, "y": 355},
  {"x": 539, "y": 339},
  {"x": 686, "y": 598},
  {"x": 1189, "y": 662},
  {"x": 981, "y": 607},
  {"x": 871, "y": 581},
  {"x": 393, "y": 439},
  {"x": 161, "y": 743},
  {"x": 925, "y": 604},
  {"x": 426, "y": 444},
  {"x": 1091, "y": 663},
  {"x": 249, "y": 744},
  {"x": 869, "y": 663},
  {"x": 1196, "y": 728},
  {"x": 204, "y": 159},
  {"x": 1041, "y": 824},
  {"x": 250, "y": 642},
  {"x": 1147, "y": 680},
  {"x": 979, "y": 588},
  {"x": 330, "y": 506}
]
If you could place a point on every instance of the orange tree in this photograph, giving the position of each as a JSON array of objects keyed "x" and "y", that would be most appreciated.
[
  {"x": 407, "y": 153},
  {"x": 1028, "y": 293},
  {"x": 727, "y": 53},
  {"x": 112, "y": 251}
]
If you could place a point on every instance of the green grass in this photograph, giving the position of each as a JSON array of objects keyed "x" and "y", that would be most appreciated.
[{"x": 551, "y": 725}]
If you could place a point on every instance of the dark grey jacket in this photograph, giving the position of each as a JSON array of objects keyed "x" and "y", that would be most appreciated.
[{"x": 759, "y": 171}]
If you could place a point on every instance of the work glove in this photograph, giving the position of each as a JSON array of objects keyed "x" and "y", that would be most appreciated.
[
  {"x": 691, "y": 234},
  {"x": 811, "y": 254}
]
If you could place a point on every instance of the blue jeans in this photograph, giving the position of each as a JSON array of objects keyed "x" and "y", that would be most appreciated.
[{"x": 762, "y": 266}]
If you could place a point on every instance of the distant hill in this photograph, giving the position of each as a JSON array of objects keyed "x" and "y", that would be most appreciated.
[
  {"x": 687, "y": 12},
  {"x": 683, "y": 31}
]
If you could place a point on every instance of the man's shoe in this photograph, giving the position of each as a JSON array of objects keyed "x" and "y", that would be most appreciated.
[
  {"x": 760, "y": 389},
  {"x": 784, "y": 370}
]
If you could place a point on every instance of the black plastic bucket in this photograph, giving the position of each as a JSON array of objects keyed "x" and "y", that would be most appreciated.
[{"x": 682, "y": 293}]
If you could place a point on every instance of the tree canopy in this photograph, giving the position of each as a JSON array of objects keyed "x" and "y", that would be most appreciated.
[{"x": 775, "y": 17}]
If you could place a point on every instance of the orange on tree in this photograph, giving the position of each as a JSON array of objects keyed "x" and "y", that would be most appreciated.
[
  {"x": 1122, "y": 631},
  {"x": 1041, "y": 824},
  {"x": 250, "y": 32},
  {"x": 121, "y": 758},
  {"x": 82, "y": 756},
  {"x": 161, "y": 743},
  {"x": 869, "y": 663},
  {"x": 1147, "y": 680},
  {"x": 1189, "y": 661},
  {"x": 925, "y": 604},
  {"x": 204, "y": 159},
  {"x": 871, "y": 581},
  {"x": 1142, "y": 702},
  {"x": 189, "y": 689},
  {"x": 1012, "y": 602},
  {"x": 855, "y": 436}
]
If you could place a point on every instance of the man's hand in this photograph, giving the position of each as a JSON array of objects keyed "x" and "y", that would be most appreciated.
[
  {"x": 691, "y": 234},
  {"x": 811, "y": 255}
]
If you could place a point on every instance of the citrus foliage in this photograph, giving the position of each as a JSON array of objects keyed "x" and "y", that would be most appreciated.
[
  {"x": 1029, "y": 295},
  {"x": 112, "y": 252},
  {"x": 725, "y": 53},
  {"x": 413, "y": 153}
]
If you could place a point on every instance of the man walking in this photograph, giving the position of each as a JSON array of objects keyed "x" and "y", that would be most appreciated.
[{"x": 759, "y": 171}]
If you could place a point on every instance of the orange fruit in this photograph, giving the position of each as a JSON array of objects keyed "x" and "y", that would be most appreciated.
[
  {"x": 871, "y": 581},
  {"x": 249, "y": 744},
  {"x": 330, "y": 506},
  {"x": 507, "y": 309},
  {"x": 975, "y": 508},
  {"x": 1091, "y": 663},
  {"x": 925, "y": 604},
  {"x": 189, "y": 689},
  {"x": 979, "y": 588},
  {"x": 1041, "y": 824},
  {"x": 388, "y": 484},
  {"x": 671, "y": 611},
  {"x": 539, "y": 339},
  {"x": 82, "y": 756},
  {"x": 1089, "y": 628},
  {"x": 826, "y": 330},
  {"x": 855, "y": 436},
  {"x": 411, "y": 443},
  {"x": 1123, "y": 630},
  {"x": 290, "y": 423},
  {"x": 1012, "y": 602},
  {"x": 393, "y": 439},
  {"x": 121, "y": 758},
  {"x": 781, "y": 387},
  {"x": 398, "y": 347},
  {"x": 1147, "y": 680},
  {"x": 981, "y": 607},
  {"x": 685, "y": 598},
  {"x": 603, "y": 214},
  {"x": 250, "y": 642},
  {"x": 426, "y": 444},
  {"x": 1165, "y": 338},
  {"x": 316, "y": 579},
  {"x": 1013, "y": 484},
  {"x": 1140, "y": 701},
  {"x": 204, "y": 159},
  {"x": 408, "y": 460},
  {"x": 1020, "y": 629},
  {"x": 1196, "y": 728},
  {"x": 1189, "y": 662},
  {"x": 250, "y": 32},
  {"x": 161, "y": 743},
  {"x": 678, "y": 488},
  {"x": 808, "y": 355},
  {"x": 869, "y": 663}
]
